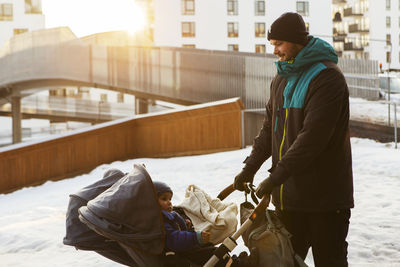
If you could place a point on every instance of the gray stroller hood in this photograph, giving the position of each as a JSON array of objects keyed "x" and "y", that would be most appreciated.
[
  {"x": 79, "y": 234},
  {"x": 128, "y": 212}
]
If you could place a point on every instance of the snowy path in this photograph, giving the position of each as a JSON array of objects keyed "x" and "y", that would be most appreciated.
[{"x": 32, "y": 221}]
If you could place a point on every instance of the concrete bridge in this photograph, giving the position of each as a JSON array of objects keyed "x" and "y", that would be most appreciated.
[{"x": 50, "y": 58}]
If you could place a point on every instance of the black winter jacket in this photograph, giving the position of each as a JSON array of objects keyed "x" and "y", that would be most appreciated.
[{"x": 306, "y": 131}]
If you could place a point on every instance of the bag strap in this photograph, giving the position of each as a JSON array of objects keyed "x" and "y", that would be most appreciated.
[
  {"x": 269, "y": 219},
  {"x": 251, "y": 189}
]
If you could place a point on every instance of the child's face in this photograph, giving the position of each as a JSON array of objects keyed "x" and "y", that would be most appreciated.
[{"x": 165, "y": 201}]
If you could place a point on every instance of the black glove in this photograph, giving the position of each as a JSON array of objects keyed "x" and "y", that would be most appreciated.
[
  {"x": 245, "y": 176},
  {"x": 264, "y": 188}
]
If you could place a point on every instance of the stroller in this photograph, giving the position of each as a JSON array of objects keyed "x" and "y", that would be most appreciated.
[
  {"x": 119, "y": 218},
  {"x": 263, "y": 234}
]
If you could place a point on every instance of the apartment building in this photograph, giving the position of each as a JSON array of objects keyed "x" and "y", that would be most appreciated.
[
  {"x": 148, "y": 9},
  {"x": 19, "y": 16},
  {"x": 368, "y": 29},
  {"x": 238, "y": 25}
]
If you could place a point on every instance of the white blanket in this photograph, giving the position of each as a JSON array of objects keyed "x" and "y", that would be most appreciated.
[{"x": 210, "y": 214}]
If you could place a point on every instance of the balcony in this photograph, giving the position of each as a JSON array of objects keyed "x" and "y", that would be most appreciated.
[
  {"x": 338, "y": 32},
  {"x": 339, "y": 2},
  {"x": 351, "y": 47},
  {"x": 339, "y": 38},
  {"x": 348, "y": 12},
  {"x": 338, "y": 35},
  {"x": 356, "y": 28}
]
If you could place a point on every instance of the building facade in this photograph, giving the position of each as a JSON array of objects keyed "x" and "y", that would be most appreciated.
[
  {"x": 19, "y": 16},
  {"x": 239, "y": 25},
  {"x": 368, "y": 29}
]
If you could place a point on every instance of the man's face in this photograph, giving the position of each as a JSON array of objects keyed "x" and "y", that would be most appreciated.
[
  {"x": 285, "y": 50},
  {"x": 165, "y": 201}
]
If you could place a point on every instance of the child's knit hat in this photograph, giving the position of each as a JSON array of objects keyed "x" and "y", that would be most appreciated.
[{"x": 161, "y": 187}]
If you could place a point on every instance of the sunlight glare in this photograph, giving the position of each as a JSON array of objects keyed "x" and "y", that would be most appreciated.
[{"x": 86, "y": 17}]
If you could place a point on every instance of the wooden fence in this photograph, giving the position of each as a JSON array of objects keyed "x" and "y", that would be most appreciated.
[{"x": 198, "y": 129}]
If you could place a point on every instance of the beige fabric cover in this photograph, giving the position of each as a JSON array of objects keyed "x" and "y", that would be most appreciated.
[{"x": 210, "y": 214}]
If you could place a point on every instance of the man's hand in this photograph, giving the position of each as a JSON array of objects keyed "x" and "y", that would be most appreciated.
[
  {"x": 264, "y": 188},
  {"x": 245, "y": 176}
]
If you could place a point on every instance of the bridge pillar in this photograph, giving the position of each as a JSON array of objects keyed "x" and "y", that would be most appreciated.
[
  {"x": 16, "y": 119},
  {"x": 141, "y": 105}
]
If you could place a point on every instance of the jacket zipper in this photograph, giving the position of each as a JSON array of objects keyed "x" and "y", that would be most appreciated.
[{"x": 280, "y": 153}]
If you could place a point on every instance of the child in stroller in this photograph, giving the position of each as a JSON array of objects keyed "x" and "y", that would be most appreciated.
[{"x": 183, "y": 245}]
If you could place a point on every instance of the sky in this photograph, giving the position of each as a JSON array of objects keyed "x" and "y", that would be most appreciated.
[
  {"x": 86, "y": 17},
  {"x": 32, "y": 220}
]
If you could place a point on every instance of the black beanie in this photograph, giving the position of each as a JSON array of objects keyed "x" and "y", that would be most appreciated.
[
  {"x": 161, "y": 187},
  {"x": 289, "y": 27}
]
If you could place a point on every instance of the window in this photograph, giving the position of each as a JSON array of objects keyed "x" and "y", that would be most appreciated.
[
  {"x": 233, "y": 29},
  {"x": 259, "y": 7},
  {"x": 6, "y": 12},
  {"x": 302, "y": 8},
  {"x": 120, "y": 97},
  {"x": 187, "y": 7},
  {"x": 233, "y": 47},
  {"x": 232, "y": 7},
  {"x": 388, "y": 57},
  {"x": 260, "y": 48},
  {"x": 388, "y": 39},
  {"x": 260, "y": 29},
  {"x": 19, "y": 31},
  {"x": 189, "y": 46},
  {"x": 387, "y": 22},
  {"x": 388, "y": 4},
  {"x": 103, "y": 98},
  {"x": 364, "y": 40},
  {"x": 188, "y": 29},
  {"x": 33, "y": 7}
]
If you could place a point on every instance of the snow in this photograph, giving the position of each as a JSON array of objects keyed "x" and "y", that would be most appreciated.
[
  {"x": 375, "y": 111},
  {"x": 32, "y": 221}
]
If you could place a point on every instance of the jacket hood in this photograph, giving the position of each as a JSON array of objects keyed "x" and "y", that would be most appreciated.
[{"x": 316, "y": 50}]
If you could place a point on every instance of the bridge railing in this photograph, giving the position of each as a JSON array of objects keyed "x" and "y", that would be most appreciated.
[{"x": 181, "y": 75}]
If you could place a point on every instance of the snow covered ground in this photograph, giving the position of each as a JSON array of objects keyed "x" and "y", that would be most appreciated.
[
  {"x": 32, "y": 220},
  {"x": 375, "y": 111}
]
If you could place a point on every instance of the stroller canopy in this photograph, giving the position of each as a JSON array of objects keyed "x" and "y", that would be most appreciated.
[
  {"x": 128, "y": 212},
  {"x": 78, "y": 234}
]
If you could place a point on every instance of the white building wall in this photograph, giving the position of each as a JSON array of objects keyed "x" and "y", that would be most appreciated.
[
  {"x": 20, "y": 20},
  {"x": 378, "y": 30},
  {"x": 211, "y": 20},
  {"x": 377, "y": 33}
]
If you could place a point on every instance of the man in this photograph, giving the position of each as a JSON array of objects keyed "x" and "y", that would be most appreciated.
[{"x": 306, "y": 132}]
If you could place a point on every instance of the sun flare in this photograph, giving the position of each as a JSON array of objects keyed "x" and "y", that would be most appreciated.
[
  {"x": 86, "y": 17},
  {"x": 124, "y": 15}
]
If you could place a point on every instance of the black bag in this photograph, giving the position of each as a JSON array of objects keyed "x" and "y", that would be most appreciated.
[{"x": 267, "y": 240}]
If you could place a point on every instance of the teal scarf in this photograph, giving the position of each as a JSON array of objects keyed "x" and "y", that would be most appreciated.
[{"x": 305, "y": 66}]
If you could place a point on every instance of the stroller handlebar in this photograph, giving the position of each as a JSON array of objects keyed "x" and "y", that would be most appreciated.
[{"x": 226, "y": 192}]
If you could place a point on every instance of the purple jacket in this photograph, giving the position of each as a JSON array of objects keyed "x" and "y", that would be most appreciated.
[{"x": 178, "y": 238}]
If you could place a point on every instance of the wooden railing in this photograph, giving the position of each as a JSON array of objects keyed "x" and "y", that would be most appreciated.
[{"x": 198, "y": 129}]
